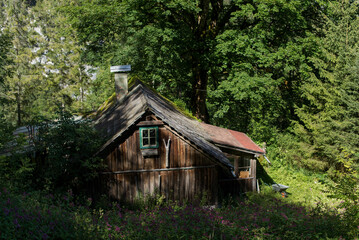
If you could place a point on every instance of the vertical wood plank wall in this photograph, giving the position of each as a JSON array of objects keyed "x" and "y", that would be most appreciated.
[
  {"x": 240, "y": 185},
  {"x": 185, "y": 184}
]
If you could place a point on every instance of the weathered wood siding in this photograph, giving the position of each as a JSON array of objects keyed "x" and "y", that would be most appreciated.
[{"x": 190, "y": 174}]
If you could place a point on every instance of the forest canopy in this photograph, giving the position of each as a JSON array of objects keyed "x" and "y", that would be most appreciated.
[{"x": 286, "y": 72}]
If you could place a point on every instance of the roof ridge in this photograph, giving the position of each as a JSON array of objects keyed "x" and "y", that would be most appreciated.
[{"x": 141, "y": 98}]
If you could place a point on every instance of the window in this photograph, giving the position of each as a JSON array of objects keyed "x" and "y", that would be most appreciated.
[{"x": 148, "y": 137}]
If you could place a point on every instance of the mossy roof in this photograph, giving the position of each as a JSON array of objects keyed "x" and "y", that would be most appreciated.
[{"x": 115, "y": 117}]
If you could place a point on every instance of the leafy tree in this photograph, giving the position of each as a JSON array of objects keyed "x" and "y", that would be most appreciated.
[
  {"x": 169, "y": 43},
  {"x": 264, "y": 65},
  {"x": 186, "y": 48}
]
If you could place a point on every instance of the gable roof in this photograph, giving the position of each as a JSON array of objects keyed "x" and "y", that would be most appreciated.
[{"x": 116, "y": 120}]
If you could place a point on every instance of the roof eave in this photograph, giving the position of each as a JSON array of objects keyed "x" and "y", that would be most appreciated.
[{"x": 239, "y": 149}]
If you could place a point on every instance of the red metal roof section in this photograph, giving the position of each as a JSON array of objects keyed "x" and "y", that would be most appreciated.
[
  {"x": 231, "y": 138},
  {"x": 245, "y": 141}
]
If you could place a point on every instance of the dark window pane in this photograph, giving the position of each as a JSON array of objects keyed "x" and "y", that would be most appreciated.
[
  {"x": 145, "y": 141},
  {"x": 145, "y": 133},
  {"x": 152, "y": 141},
  {"x": 152, "y": 132}
]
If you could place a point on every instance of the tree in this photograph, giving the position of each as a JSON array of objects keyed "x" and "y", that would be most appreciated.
[
  {"x": 5, "y": 61},
  {"x": 181, "y": 47},
  {"x": 264, "y": 66},
  {"x": 47, "y": 72},
  {"x": 21, "y": 84},
  {"x": 5, "y": 41},
  {"x": 64, "y": 76},
  {"x": 328, "y": 119},
  {"x": 169, "y": 43}
]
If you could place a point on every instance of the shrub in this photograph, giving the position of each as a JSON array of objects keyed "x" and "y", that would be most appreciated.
[
  {"x": 16, "y": 168},
  {"x": 66, "y": 148}
]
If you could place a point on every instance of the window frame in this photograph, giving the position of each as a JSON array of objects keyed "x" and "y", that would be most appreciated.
[{"x": 156, "y": 137}]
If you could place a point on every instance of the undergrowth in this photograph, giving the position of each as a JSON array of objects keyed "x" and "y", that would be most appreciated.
[{"x": 37, "y": 215}]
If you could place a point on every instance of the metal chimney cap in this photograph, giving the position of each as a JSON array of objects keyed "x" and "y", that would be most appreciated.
[{"x": 120, "y": 68}]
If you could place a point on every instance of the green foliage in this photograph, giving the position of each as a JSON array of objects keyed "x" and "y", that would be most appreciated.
[
  {"x": 67, "y": 154},
  {"x": 35, "y": 215},
  {"x": 5, "y": 132},
  {"x": 147, "y": 201},
  {"x": 5, "y": 43},
  {"x": 43, "y": 55},
  {"x": 163, "y": 42},
  {"x": 66, "y": 78},
  {"x": 264, "y": 65},
  {"x": 346, "y": 188},
  {"x": 328, "y": 118},
  {"x": 305, "y": 187},
  {"x": 16, "y": 168}
]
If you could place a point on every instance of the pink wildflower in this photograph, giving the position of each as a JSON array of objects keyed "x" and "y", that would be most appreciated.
[{"x": 285, "y": 216}]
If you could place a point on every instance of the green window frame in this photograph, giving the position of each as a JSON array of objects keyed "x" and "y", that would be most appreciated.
[{"x": 148, "y": 137}]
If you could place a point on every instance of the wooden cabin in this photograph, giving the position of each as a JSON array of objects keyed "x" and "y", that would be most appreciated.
[{"x": 153, "y": 147}]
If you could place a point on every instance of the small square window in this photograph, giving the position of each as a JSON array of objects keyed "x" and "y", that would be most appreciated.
[{"x": 149, "y": 137}]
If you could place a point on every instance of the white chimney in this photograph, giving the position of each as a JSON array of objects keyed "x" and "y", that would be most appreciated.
[{"x": 121, "y": 83}]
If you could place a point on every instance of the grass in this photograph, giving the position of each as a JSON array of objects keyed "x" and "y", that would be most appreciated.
[
  {"x": 305, "y": 187},
  {"x": 43, "y": 216}
]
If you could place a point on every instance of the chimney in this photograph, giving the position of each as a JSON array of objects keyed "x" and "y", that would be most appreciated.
[{"x": 121, "y": 84}]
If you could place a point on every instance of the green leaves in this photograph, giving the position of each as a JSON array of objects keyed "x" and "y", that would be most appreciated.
[
  {"x": 67, "y": 148},
  {"x": 329, "y": 112},
  {"x": 264, "y": 58}
]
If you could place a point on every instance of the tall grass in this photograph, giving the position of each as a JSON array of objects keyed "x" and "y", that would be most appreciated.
[{"x": 42, "y": 216}]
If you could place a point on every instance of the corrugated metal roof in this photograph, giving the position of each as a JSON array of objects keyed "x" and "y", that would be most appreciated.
[
  {"x": 231, "y": 138},
  {"x": 245, "y": 142}
]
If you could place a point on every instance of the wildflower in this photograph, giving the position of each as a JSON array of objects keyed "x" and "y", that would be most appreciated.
[
  {"x": 16, "y": 223},
  {"x": 45, "y": 236},
  {"x": 6, "y": 211},
  {"x": 109, "y": 227},
  {"x": 283, "y": 215}
]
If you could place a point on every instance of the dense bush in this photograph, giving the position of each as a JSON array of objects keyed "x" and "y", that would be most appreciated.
[
  {"x": 16, "y": 167},
  {"x": 66, "y": 154}
]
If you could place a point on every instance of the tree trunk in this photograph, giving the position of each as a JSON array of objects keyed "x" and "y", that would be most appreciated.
[
  {"x": 18, "y": 102},
  {"x": 199, "y": 71},
  {"x": 199, "y": 93}
]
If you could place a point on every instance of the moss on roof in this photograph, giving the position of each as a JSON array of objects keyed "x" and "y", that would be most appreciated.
[{"x": 133, "y": 82}]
